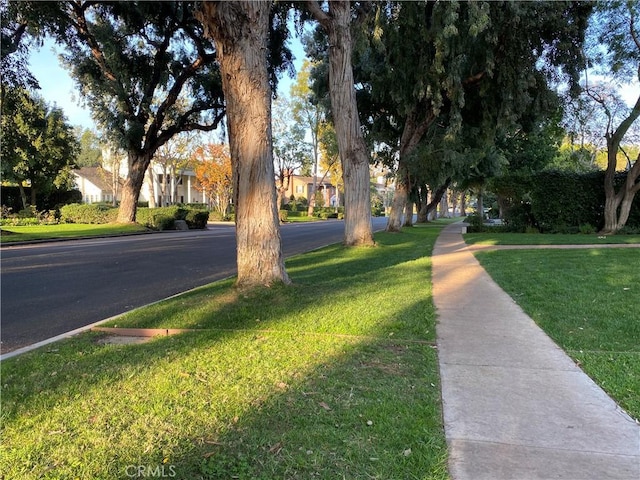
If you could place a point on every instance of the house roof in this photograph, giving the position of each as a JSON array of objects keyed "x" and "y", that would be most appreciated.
[{"x": 97, "y": 176}]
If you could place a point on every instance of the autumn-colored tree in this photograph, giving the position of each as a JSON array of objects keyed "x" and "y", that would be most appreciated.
[{"x": 213, "y": 173}]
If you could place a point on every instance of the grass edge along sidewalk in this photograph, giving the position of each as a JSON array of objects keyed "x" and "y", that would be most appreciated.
[
  {"x": 586, "y": 301},
  {"x": 335, "y": 376}
]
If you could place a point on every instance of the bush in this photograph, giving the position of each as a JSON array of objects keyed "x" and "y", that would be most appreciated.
[
  {"x": 147, "y": 216},
  {"x": 558, "y": 201},
  {"x": 88, "y": 213},
  {"x": 283, "y": 215},
  {"x": 476, "y": 224},
  {"x": 587, "y": 229},
  {"x": 161, "y": 221},
  {"x": 197, "y": 219},
  {"x": 562, "y": 201},
  {"x": 518, "y": 217}
]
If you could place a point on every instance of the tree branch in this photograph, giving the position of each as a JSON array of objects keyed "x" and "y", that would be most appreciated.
[{"x": 320, "y": 15}]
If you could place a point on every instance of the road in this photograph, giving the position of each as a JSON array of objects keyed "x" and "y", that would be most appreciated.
[{"x": 53, "y": 288}]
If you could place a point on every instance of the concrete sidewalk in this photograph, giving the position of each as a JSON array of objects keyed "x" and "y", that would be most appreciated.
[{"x": 515, "y": 405}]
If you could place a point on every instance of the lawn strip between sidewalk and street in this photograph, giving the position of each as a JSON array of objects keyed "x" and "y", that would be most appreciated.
[{"x": 336, "y": 375}]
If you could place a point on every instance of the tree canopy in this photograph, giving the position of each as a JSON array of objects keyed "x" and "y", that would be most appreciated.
[
  {"x": 145, "y": 70},
  {"x": 39, "y": 147}
]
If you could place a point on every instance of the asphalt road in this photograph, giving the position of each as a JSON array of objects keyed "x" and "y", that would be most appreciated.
[{"x": 53, "y": 288}]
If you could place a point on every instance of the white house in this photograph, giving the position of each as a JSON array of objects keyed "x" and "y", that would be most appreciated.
[{"x": 163, "y": 184}]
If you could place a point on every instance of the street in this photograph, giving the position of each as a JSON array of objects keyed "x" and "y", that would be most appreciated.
[{"x": 52, "y": 288}]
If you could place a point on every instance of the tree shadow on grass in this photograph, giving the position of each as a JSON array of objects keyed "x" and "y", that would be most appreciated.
[
  {"x": 236, "y": 405},
  {"x": 205, "y": 404},
  {"x": 323, "y": 279}
]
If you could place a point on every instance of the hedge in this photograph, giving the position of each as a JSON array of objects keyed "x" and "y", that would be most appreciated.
[
  {"x": 88, "y": 213},
  {"x": 162, "y": 218},
  {"x": 558, "y": 201}
]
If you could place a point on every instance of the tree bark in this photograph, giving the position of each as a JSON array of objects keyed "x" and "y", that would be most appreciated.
[
  {"x": 408, "y": 214},
  {"x": 138, "y": 164},
  {"x": 436, "y": 197},
  {"x": 23, "y": 196},
  {"x": 612, "y": 221},
  {"x": 412, "y": 133},
  {"x": 240, "y": 30},
  {"x": 351, "y": 145},
  {"x": 400, "y": 196}
]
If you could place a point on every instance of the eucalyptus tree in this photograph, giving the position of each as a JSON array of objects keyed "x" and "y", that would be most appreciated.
[
  {"x": 145, "y": 70},
  {"x": 424, "y": 63},
  {"x": 336, "y": 21},
  {"x": 241, "y": 32},
  {"x": 616, "y": 27}
]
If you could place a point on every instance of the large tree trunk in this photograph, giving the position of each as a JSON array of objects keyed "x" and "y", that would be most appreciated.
[
  {"x": 613, "y": 222},
  {"x": 436, "y": 197},
  {"x": 399, "y": 201},
  {"x": 23, "y": 196},
  {"x": 617, "y": 205},
  {"x": 240, "y": 30},
  {"x": 423, "y": 201},
  {"x": 351, "y": 145},
  {"x": 138, "y": 164},
  {"x": 408, "y": 214},
  {"x": 412, "y": 133}
]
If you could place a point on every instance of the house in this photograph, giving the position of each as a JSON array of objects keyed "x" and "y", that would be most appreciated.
[
  {"x": 301, "y": 186},
  {"x": 96, "y": 184},
  {"x": 163, "y": 185}
]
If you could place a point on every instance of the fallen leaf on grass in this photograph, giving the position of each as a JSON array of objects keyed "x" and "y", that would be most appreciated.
[
  {"x": 324, "y": 405},
  {"x": 275, "y": 449}
]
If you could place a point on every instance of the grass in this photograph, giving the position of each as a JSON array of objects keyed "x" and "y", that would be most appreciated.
[
  {"x": 65, "y": 230},
  {"x": 546, "y": 239},
  {"x": 587, "y": 302},
  {"x": 333, "y": 377}
]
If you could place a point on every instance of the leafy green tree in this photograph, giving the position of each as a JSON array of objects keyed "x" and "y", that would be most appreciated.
[
  {"x": 616, "y": 27},
  {"x": 474, "y": 65},
  {"x": 38, "y": 146},
  {"x": 145, "y": 70},
  {"x": 308, "y": 113},
  {"x": 90, "y": 149},
  {"x": 14, "y": 49}
]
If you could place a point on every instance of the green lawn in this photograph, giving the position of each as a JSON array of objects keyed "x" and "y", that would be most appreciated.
[
  {"x": 65, "y": 230},
  {"x": 333, "y": 377},
  {"x": 588, "y": 303},
  {"x": 546, "y": 239}
]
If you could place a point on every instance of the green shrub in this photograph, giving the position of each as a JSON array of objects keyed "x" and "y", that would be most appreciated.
[
  {"x": 283, "y": 215},
  {"x": 88, "y": 213},
  {"x": 197, "y": 219},
  {"x": 518, "y": 217},
  {"x": 562, "y": 201},
  {"x": 587, "y": 229},
  {"x": 216, "y": 216},
  {"x": 146, "y": 216},
  {"x": 161, "y": 221},
  {"x": 476, "y": 225}
]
